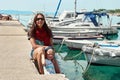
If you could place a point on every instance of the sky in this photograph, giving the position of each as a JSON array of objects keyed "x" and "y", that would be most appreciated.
[{"x": 51, "y": 5}]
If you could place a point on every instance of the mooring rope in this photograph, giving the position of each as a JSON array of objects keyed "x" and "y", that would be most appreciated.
[
  {"x": 61, "y": 47},
  {"x": 88, "y": 66},
  {"x": 65, "y": 38},
  {"x": 72, "y": 56}
]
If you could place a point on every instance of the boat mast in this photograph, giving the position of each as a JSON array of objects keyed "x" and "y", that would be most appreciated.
[
  {"x": 57, "y": 8},
  {"x": 75, "y": 9}
]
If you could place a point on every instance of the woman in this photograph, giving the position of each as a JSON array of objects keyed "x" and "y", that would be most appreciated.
[{"x": 40, "y": 36}]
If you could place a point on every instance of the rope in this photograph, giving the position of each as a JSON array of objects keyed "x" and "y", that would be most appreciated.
[
  {"x": 70, "y": 57},
  {"x": 80, "y": 65},
  {"x": 75, "y": 55},
  {"x": 88, "y": 66},
  {"x": 61, "y": 47}
]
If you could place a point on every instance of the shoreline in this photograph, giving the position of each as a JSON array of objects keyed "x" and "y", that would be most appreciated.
[{"x": 114, "y": 14}]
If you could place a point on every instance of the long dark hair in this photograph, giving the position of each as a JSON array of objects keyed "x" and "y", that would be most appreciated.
[{"x": 31, "y": 32}]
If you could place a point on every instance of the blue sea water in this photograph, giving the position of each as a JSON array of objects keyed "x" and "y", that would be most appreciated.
[{"x": 95, "y": 72}]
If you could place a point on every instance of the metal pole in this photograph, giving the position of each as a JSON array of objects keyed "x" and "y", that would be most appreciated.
[
  {"x": 57, "y": 8},
  {"x": 75, "y": 9}
]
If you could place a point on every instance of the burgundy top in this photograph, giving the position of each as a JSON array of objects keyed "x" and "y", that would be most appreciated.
[{"x": 43, "y": 36}]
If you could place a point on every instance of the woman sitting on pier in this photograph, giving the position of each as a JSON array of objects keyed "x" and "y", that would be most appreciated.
[{"x": 40, "y": 36}]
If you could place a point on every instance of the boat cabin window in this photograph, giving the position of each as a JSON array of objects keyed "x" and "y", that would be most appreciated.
[
  {"x": 55, "y": 20},
  {"x": 69, "y": 15}
]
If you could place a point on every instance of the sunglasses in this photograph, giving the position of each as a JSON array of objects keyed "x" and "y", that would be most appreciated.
[{"x": 39, "y": 19}]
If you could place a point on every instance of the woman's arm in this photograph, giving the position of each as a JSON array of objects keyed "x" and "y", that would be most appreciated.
[
  {"x": 33, "y": 43},
  {"x": 51, "y": 41}
]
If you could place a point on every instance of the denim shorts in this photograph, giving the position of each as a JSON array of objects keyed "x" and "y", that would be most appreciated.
[
  {"x": 46, "y": 49},
  {"x": 37, "y": 42}
]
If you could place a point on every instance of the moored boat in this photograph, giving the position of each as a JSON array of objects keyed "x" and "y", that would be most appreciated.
[
  {"x": 90, "y": 22},
  {"x": 105, "y": 53},
  {"x": 78, "y": 44},
  {"x": 60, "y": 39}
]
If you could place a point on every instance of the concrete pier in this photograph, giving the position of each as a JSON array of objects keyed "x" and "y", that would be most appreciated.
[{"x": 15, "y": 63}]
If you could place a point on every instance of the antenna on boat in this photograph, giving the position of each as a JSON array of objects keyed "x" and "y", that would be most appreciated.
[{"x": 75, "y": 9}]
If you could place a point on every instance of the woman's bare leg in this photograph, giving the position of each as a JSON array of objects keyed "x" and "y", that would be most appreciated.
[
  {"x": 54, "y": 61},
  {"x": 39, "y": 56}
]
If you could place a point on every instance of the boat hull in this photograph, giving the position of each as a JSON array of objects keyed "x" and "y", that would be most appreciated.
[
  {"x": 103, "y": 60},
  {"x": 60, "y": 39},
  {"x": 107, "y": 54},
  {"x": 100, "y": 30}
]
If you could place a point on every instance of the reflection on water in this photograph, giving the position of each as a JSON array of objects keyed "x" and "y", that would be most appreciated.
[
  {"x": 73, "y": 69},
  {"x": 71, "y": 63},
  {"x": 111, "y": 37}
]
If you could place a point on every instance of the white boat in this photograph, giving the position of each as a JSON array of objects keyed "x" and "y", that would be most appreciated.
[
  {"x": 78, "y": 44},
  {"x": 90, "y": 24},
  {"x": 103, "y": 53},
  {"x": 83, "y": 26},
  {"x": 61, "y": 39},
  {"x": 75, "y": 33},
  {"x": 65, "y": 18}
]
